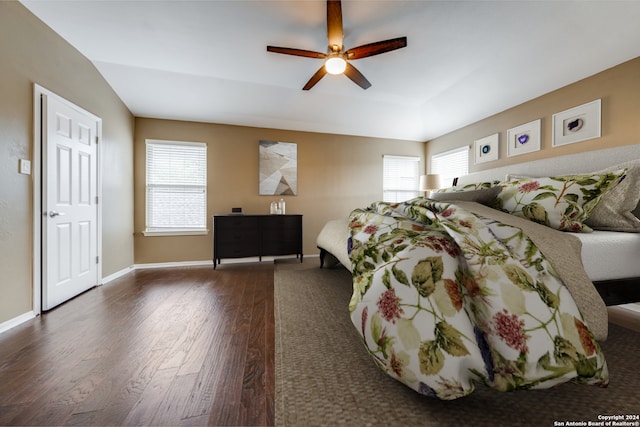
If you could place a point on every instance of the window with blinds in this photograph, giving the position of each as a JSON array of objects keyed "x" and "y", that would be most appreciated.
[
  {"x": 400, "y": 178},
  {"x": 176, "y": 187},
  {"x": 450, "y": 164}
]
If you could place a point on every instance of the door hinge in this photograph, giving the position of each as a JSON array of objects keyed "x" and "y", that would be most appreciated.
[
  {"x": 97, "y": 198},
  {"x": 97, "y": 139},
  {"x": 97, "y": 260}
]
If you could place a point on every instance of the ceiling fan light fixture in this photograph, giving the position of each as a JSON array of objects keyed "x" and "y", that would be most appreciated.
[
  {"x": 335, "y": 65},
  {"x": 335, "y": 60}
]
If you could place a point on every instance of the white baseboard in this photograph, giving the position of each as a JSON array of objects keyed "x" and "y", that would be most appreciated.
[
  {"x": 134, "y": 267},
  {"x": 172, "y": 264},
  {"x": 12, "y": 323},
  {"x": 193, "y": 264},
  {"x": 117, "y": 274},
  {"x": 633, "y": 307},
  {"x": 210, "y": 263}
]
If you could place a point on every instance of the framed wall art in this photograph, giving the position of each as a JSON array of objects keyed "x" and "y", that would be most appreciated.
[
  {"x": 486, "y": 149},
  {"x": 524, "y": 138},
  {"x": 577, "y": 124},
  {"x": 278, "y": 168}
]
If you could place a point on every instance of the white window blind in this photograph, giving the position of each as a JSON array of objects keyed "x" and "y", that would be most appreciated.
[
  {"x": 176, "y": 187},
  {"x": 450, "y": 164},
  {"x": 400, "y": 178}
]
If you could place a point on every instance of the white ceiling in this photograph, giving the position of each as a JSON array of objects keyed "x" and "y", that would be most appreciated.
[{"x": 465, "y": 60}]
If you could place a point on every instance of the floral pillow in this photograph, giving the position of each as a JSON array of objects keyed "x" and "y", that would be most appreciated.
[{"x": 560, "y": 202}]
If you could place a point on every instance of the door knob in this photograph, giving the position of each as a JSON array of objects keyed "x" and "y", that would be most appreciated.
[{"x": 54, "y": 213}]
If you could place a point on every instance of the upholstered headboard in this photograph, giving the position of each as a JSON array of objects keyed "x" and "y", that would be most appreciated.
[
  {"x": 579, "y": 163},
  {"x": 590, "y": 161}
]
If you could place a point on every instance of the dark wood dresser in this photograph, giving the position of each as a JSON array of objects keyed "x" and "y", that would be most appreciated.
[{"x": 240, "y": 236}]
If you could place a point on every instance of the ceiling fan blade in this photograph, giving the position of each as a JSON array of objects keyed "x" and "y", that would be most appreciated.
[
  {"x": 376, "y": 48},
  {"x": 315, "y": 78},
  {"x": 356, "y": 76},
  {"x": 296, "y": 52},
  {"x": 334, "y": 23}
]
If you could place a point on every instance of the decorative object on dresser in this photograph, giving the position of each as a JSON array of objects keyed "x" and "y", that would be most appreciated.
[{"x": 243, "y": 236}]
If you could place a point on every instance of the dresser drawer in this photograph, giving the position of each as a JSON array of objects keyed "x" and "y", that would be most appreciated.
[
  {"x": 231, "y": 235},
  {"x": 240, "y": 249}
]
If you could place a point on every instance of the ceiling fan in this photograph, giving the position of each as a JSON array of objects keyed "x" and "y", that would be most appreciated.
[{"x": 337, "y": 59}]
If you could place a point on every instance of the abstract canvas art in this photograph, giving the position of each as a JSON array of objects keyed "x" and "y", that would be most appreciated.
[{"x": 278, "y": 168}]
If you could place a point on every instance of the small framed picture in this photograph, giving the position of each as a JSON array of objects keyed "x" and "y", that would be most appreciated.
[
  {"x": 524, "y": 138},
  {"x": 577, "y": 124},
  {"x": 486, "y": 149}
]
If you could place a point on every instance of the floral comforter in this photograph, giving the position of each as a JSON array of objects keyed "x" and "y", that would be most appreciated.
[{"x": 445, "y": 299}]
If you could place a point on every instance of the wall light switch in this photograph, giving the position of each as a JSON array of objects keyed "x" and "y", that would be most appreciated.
[{"x": 25, "y": 166}]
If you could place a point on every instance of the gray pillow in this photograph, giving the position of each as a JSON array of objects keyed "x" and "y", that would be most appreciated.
[
  {"x": 486, "y": 196},
  {"x": 618, "y": 209}
]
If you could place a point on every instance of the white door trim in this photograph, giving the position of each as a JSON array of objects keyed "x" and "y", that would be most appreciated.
[{"x": 36, "y": 170}]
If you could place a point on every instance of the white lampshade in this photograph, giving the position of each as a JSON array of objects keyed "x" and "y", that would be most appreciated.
[
  {"x": 335, "y": 65},
  {"x": 429, "y": 182}
]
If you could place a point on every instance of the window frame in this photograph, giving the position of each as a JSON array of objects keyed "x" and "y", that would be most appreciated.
[
  {"x": 385, "y": 188},
  {"x": 446, "y": 179},
  {"x": 175, "y": 231}
]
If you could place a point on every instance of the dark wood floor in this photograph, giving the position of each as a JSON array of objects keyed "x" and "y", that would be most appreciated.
[
  {"x": 163, "y": 347},
  {"x": 182, "y": 346}
]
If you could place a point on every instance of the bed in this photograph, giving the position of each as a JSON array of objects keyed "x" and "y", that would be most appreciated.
[
  {"x": 449, "y": 292},
  {"x": 617, "y": 278},
  {"x": 610, "y": 258}
]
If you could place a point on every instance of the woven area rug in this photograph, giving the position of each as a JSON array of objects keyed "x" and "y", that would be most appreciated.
[{"x": 324, "y": 376}]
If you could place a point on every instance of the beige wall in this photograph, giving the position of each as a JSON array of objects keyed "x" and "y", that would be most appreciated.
[
  {"x": 619, "y": 89},
  {"x": 335, "y": 175},
  {"x": 31, "y": 53}
]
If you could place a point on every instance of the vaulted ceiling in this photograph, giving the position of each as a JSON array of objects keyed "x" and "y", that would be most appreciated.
[{"x": 465, "y": 60}]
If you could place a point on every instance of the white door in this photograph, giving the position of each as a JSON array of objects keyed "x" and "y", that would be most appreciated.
[{"x": 69, "y": 201}]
